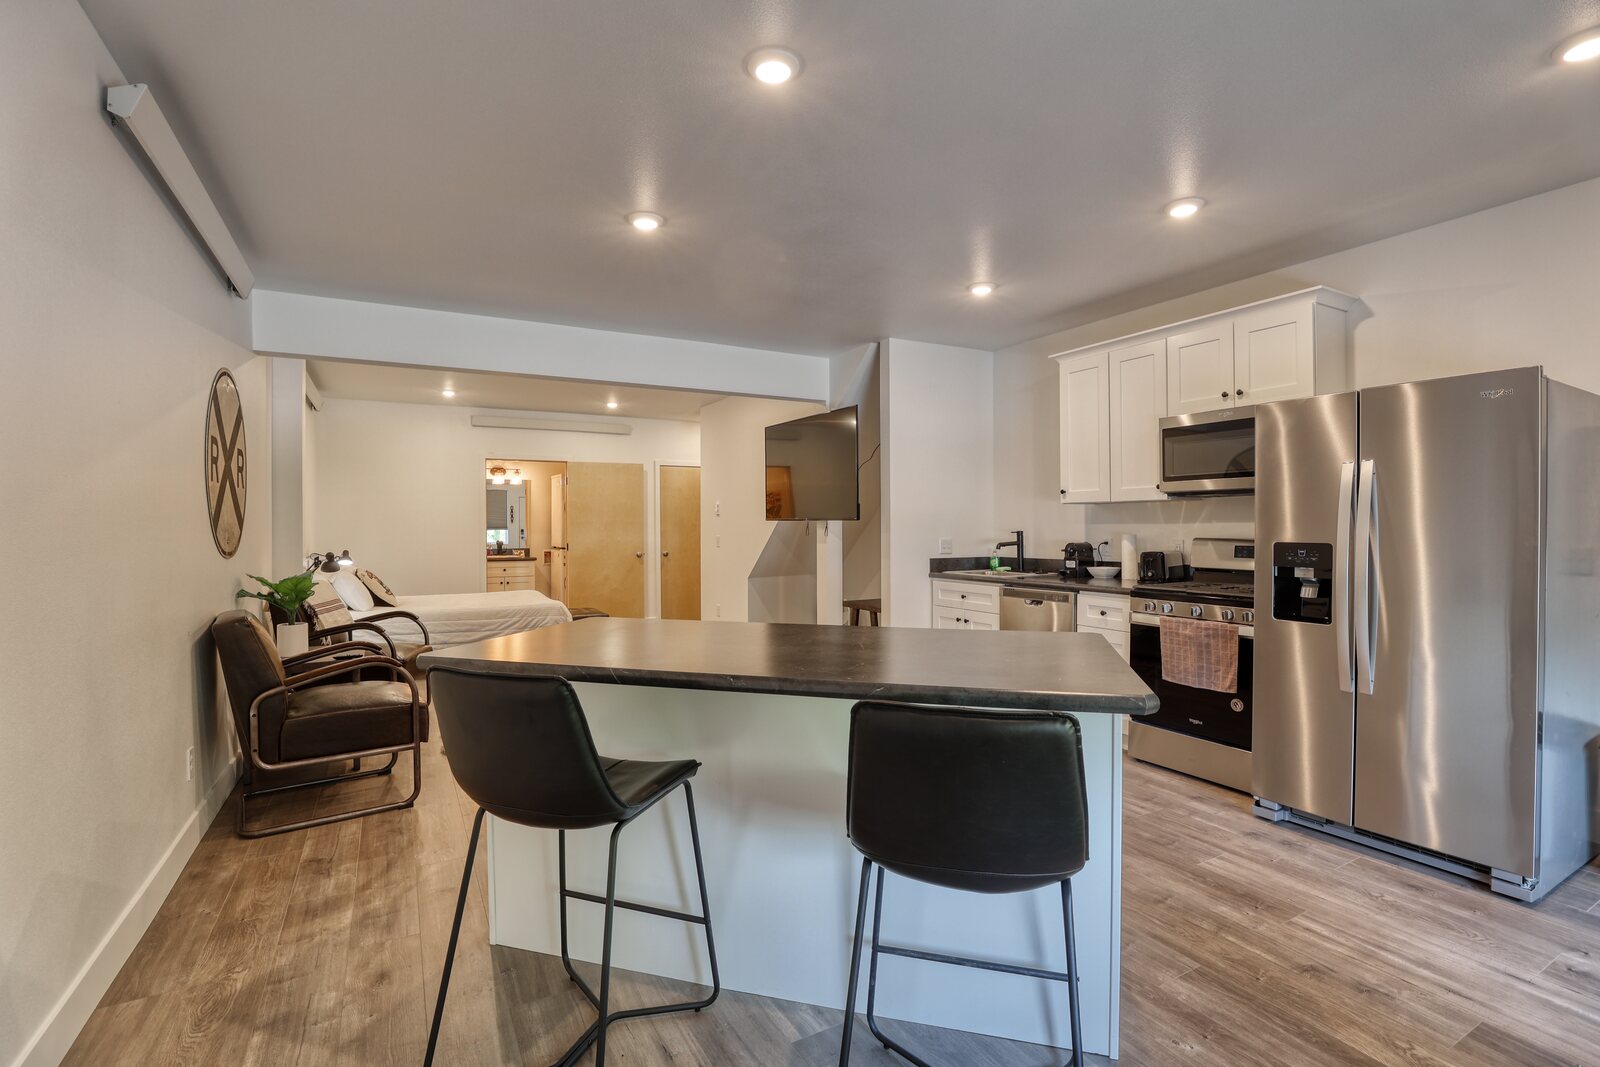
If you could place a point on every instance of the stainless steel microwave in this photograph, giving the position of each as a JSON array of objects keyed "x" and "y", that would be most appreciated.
[{"x": 1209, "y": 453}]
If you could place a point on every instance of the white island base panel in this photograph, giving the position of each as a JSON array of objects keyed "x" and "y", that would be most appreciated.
[{"x": 782, "y": 876}]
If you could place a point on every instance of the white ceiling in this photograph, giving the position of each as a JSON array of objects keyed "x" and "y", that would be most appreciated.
[
  {"x": 480, "y": 156},
  {"x": 501, "y": 392}
]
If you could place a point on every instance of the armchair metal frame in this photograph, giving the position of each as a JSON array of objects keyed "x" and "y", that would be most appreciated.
[{"x": 366, "y": 657}]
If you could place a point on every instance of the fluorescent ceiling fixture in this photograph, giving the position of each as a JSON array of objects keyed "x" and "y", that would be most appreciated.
[
  {"x": 981, "y": 288},
  {"x": 1581, "y": 48},
  {"x": 773, "y": 66},
  {"x": 447, "y": 393},
  {"x": 646, "y": 221},
  {"x": 1185, "y": 208},
  {"x": 136, "y": 109},
  {"x": 611, "y": 404}
]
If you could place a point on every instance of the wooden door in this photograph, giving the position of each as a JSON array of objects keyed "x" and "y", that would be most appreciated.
[
  {"x": 1138, "y": 403},
  {"x": 558, "y": 538},
  {"x": 1200, "y": 369},
  {"x": 680, "y": 542},
  {"x": 1085, "y": 432},
  {"x": 606, "y": 537}
]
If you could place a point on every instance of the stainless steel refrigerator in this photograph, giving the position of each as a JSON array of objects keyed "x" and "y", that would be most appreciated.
[{"x": 1427, "y": 657}]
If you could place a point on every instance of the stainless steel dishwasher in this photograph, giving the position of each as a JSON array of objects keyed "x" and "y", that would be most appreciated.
[{"x": 1037, "y": 609}]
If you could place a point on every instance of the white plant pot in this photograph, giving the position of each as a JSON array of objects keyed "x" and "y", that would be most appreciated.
[{"x": 293, "y": 638}]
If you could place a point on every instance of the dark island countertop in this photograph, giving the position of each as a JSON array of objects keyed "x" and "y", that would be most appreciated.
[{"x": 1013, "y": 669}]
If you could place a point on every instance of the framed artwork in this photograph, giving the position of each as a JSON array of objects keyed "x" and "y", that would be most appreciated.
[{"x": 226, "y": 465}]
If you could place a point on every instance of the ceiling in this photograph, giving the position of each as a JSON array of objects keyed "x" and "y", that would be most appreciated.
[
  {"x": 500, "y": 392},
  {"x": 481, "y": 156}
]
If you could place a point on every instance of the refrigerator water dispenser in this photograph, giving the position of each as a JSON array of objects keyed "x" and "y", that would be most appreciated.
[{"x": 1302, "y": 582}]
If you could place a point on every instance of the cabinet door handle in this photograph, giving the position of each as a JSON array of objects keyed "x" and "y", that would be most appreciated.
[
  {"x": 1224, "y": 394},
  {"x": 1238, "y": 392},
  {"x": 1102, "y": 613}
]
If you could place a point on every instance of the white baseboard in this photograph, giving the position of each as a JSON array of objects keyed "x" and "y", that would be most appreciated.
[{"x": 55, "y": 1035}]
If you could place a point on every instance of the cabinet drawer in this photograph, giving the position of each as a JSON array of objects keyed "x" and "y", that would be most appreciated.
[
  {"x": 963, "y": 619},
  {"x": 1102, "y": 611},
  {"x": 517, "y": 569},
  {"x": 1117, "y": 638},
  {"x": 969, "y": 596}
]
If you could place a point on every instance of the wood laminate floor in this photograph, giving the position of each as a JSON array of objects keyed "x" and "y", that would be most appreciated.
[{"x": 1244, "y": 943}]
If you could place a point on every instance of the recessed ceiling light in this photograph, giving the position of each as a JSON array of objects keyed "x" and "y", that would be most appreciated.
[
  {"x": 1578, "y": 49},
  {"x": 611, "y": 404},
  {"x": 981, "y": 288},
  {"x": 447, "y": 393},
  {"x": 1185, "y": 208},
  {"x": 646, "y": 221},
  {"x": 773, "y": 66}
]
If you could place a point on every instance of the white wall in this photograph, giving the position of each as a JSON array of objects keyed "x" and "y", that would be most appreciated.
[
  {"x": 733, "y": 526},
  {"x": 401, "y": 485},
  {"x": 112, "y": 326},
  {"x": 300, "y": 325},
  {"x": 937, "y": 423},
  {"x": 1510, "y": 286}
]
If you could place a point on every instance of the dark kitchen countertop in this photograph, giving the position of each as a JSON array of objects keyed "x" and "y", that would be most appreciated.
[
  {"x": 1014, "y": 669},
  {"x": 1038, "y": 580}
]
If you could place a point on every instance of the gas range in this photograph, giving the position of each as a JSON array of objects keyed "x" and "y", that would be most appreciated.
[{"x": 1222, "y": 588}]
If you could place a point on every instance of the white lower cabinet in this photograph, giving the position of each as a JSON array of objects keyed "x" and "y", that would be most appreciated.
[
  {"x": 965, "y": 605},
  {"x": 1107, "y": 615},
  {"x": 957, "y": 619}
]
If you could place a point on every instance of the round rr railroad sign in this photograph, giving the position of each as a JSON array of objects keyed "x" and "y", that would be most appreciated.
[{"x": 225, "y": 463}]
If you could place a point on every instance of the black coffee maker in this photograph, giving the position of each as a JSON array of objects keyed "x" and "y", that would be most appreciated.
[{"x": 1076, "y": 558}]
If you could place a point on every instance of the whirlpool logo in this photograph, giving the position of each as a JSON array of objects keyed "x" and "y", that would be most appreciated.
[{"x": 1497, "y": 394}]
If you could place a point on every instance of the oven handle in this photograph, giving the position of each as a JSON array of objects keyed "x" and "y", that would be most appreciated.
[{"x": 1341, "y": 577}]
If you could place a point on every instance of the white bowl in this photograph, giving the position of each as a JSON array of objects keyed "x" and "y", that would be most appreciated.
[{"x": 1105, "y": 572}]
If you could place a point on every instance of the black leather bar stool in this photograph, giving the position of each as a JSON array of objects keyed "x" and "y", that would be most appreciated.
[
  {"x": 983, "y": 801},
  {"x": 521, "y": 749}
]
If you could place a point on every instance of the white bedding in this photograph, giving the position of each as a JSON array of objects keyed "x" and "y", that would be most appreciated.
[{"x": 461, "y": 618}]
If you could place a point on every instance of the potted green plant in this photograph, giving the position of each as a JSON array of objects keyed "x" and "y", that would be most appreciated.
[{"x": 288, "y": 595}]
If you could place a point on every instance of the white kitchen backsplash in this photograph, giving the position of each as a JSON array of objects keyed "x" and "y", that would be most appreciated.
[{"x": 1168, "y": 525}]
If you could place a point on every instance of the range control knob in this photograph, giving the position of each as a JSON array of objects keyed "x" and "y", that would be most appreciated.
[
  {"x": 1194, "y": 612},
  {"x": 1227, "y": 614},
  {"x": 1249, "y": 616},
  {"x": 1148, "y": 605},
  {"x": 1166, "y": 609}
]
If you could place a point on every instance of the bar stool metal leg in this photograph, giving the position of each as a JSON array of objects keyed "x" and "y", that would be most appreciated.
[
  {"x": 872, "y": 984},
  {"x": 455, "y": 935},
  {"x": 855, "y": 965},
  {"x": 1072, "y": 974}
]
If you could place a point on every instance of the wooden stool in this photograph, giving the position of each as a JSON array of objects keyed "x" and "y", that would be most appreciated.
[{"x": 871, "y": 605}]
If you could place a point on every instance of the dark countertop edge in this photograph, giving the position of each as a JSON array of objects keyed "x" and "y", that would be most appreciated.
[
  {"x": 1108, "y": 586},
  {"x": 910, "y": 693}
]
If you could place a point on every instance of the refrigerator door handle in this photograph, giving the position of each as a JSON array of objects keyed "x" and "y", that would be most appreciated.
[
  {"x": 1366, "y": 558},
  {"x": 1341, "y": 576}
]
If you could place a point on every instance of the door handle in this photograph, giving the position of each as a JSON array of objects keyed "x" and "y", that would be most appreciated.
[
  {"x": 1366, "y": 566},
  {"x": 1341, "y": 576},
  {"x": 638, "y": 555},
  {"x": 664, "y": 555}
]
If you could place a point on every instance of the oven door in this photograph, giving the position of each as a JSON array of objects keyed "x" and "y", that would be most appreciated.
[
  {"x": 1222, "y": 718},
  {"x": 1209, "y": 453}
]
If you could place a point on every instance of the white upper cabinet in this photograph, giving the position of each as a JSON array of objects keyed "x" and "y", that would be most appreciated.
[
  {"x": 1085, "y": 428},
  {"x": 1138, "y": 402},
  {"x": 1200, "y": 369},
  {"x": 1114, "y": 395}
]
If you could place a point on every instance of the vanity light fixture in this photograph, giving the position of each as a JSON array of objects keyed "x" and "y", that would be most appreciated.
[
  {"x": 1188, "y": 207},
  {"x": 516, "y": 477},
  {"x": 981, "y": 288},
  {"x": 1580, "y": 48},
  {"x": 773, "y": 65},
  {"x": 646, "y": 221},
  {"x": 497, "y": 476}
]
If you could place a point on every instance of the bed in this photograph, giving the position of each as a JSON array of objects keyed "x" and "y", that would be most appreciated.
[{"x": 461, "y": 618}]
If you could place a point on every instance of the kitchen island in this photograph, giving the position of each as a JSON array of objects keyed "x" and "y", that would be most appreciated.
[{"x": 765, "y": 709}]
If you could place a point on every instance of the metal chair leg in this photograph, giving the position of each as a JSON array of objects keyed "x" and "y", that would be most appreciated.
[
  {"x": 855, "y": 965},
  {"x": 455, "y": 935},
  {"x": 605, "y": 952},
  {"x": 872, "y": 984},
  {"x": 705, "y": 899},
  {"x": 1072, "y": 974}
]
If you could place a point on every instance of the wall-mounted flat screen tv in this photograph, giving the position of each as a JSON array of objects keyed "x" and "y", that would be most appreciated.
[{"x": 811, "y": 467}]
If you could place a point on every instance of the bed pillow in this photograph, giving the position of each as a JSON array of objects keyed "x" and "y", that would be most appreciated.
[
  {"x": 326, "y": 608},
  {"x": 353, "y": 591},
  {"x": 378, "y": 588}
]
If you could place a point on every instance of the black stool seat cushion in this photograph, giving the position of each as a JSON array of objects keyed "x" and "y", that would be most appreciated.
[
  {"x": 986, "y": 801},
  {"x": 325, "y": 720},
  {"x": 521, "y": 749}
]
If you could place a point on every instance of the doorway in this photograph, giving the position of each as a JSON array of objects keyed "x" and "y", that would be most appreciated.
[{"x": 678, "y": 494}]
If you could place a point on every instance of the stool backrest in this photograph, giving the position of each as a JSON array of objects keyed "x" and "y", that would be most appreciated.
[
  {"x": 993, "y": 801},
  {"x": 521, "y": 748}
]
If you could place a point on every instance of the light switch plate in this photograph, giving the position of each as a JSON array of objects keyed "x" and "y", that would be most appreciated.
[{"x": 946, "y": 546}]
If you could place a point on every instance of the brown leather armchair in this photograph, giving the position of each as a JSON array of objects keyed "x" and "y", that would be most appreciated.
[
  {"x": 367, "y": 631},
  {"x": 289, "y": 714}
]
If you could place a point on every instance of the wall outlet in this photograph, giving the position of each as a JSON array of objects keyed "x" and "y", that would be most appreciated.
[
  {"x": 946, "y": 546},
  {"x": 188, "y": 765},
  {"x": 719, "y": 611},
  {"x": 716, "y": 507}
]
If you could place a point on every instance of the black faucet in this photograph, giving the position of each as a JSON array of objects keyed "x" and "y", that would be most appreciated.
[{"x": 1022, "y": 557}]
